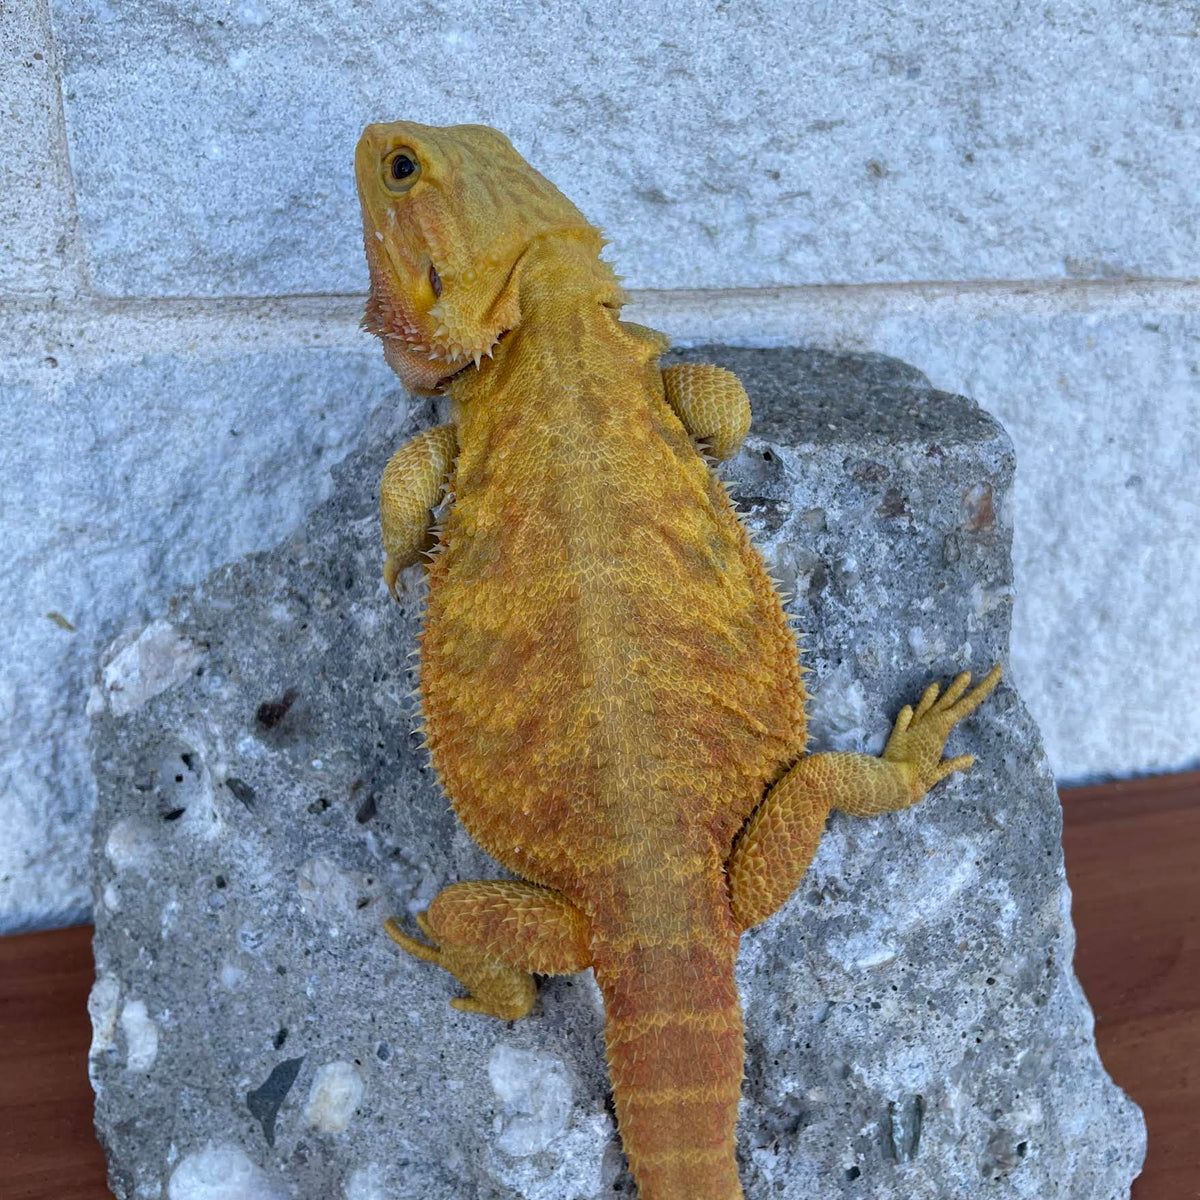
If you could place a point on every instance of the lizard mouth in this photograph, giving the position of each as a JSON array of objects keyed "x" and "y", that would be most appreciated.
[
  {"x": 434, "y": 320},
  {"x": 392, "y": 316}
]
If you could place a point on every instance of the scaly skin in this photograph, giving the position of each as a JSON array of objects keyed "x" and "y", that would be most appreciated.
[{"x": 610, "y": 686}]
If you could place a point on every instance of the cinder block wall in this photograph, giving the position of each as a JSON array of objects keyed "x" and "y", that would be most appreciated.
[{"x": 1002, "y": 195}]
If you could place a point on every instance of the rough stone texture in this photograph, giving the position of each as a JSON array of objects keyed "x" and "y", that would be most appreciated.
[
  {"x": 914, "y": 1028},
  {"x": 141, "y": 474},
  {"x": 738, "y": 145},
  {"x": 36, "y": 212}
]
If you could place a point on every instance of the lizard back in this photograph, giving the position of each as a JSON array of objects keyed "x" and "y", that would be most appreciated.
[{"x": 608, "y": 677}]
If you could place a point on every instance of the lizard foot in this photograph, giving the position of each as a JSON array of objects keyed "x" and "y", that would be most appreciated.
[
  {"x": 495, "y": 988},
  {"x": 919, "y": 736}
]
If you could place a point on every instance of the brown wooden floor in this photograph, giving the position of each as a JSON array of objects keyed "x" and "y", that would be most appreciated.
[
  {"x": 47, "y": 1147},
  {"x": 1133, "y": 862},
  {"x": 1133, "y": 851}
]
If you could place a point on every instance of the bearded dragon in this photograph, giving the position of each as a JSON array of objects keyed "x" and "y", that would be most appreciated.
[{"x": 611, "y": 691}]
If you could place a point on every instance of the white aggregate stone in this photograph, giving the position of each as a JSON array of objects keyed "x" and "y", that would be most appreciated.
[
  {"x": 156, "y": 658},
  {"x": 370, "y": 1182},
  {"x": 130, "y": 845},
  {"x": 222, "y": 1172},
  {"x": 232, "y": 976},
  {"x": 536, "y": 1094},
  {"x": 721, "y": 146},
  {"x": 103, "y": 1001},
  {"x": 141, "y": 1036},
  {"x": 332, "y": 895},
  {"x": 336, "y": 1091}
]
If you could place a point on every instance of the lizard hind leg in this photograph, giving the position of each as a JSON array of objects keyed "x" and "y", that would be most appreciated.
[
  {"x": 774, "y": 849},
  {"x": 492, "y": 935}
]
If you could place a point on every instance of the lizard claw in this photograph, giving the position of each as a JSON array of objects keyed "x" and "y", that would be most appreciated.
[{"x": 391, "y": 576}]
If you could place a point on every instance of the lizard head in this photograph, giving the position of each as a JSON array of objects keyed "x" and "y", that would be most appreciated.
[{"x": 448, "y": 214}]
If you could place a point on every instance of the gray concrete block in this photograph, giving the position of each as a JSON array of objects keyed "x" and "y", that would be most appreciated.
[
  {"x": 36, "y": 212},
  {"x": 914, "y": 1027},
  {"x": 126, "y": 473},
  {"x": 740, "y": 146}
]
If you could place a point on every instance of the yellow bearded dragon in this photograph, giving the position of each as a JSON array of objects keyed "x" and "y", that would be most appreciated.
[{"x": 611, "y": 691}]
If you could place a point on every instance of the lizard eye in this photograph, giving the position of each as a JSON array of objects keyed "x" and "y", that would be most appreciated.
[{"x": 400, "y": 170}]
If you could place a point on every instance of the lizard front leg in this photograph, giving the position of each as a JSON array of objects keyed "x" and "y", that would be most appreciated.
[
  {"x": 493, "y": 934},
  {"x": 774, "y": 849},
  {"x": 411, "y": 486},
  {"x": 711, "y": 403}
]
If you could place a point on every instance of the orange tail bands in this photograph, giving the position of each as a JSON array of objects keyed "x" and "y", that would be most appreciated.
[{"x": 675, "y": 1052}]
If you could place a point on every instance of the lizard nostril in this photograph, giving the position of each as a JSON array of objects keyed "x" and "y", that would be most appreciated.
[{"x": 435, "y": 281}]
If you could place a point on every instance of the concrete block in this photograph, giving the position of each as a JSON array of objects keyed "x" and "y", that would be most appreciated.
[
  {"x": 36, "y": 211},
  {"x": 122, "y": 479},
  {"x": 913, "y": 1024},
  {"x": 746, "y": 145}
]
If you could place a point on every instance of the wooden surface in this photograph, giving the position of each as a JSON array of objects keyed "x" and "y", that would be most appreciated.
[
  {"x": 1133, "y": 860},
  {"x": 1133, "y": 863},
  {"x": 47, "y": 1147}
]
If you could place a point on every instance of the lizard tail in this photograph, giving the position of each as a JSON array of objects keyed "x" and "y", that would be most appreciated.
[{"x": 675, "y": 1044}]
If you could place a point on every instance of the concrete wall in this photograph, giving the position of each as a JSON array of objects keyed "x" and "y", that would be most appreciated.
[{"x": 1000, "y": 195}]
